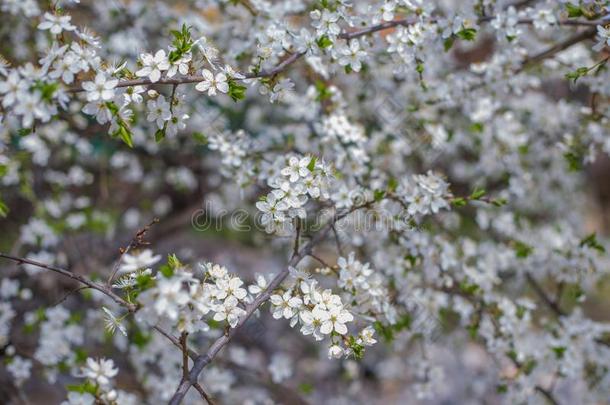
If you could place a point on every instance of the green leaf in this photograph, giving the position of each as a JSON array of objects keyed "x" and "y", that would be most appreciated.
[
  {"x": 324, "y": 42},
  {"x": 46, "y": 89},
  {"x": 125, "y": 135},
  {"x": 166, "y": 270},
  {"x": 3, "y": 209},
  {"x": 467, "y": 34},
  {"x": 145, "y": 281},
  {"x": 214, "y": 324},
  {"x": 522, "y": 250},
  {"x": 85, "y": 387},
  {"x": 386, "y": 332},
  {"x": 140, "y": 338},
  {"x": 577, "y": 74},
  {"x": 174, "y": 262},
  {"x": 574, "y": 160},
  {"x": 468, "y": 288},
  {"x": 458, "y": 202},
  {"x": 574, "y": 11},
  {"x": 477, "y": 194},
  {"x": 357, "y": 348},
  {"x": 473, "y": 330},
  {"x": 236, "y": 91},
  {"x": 200, "y": 138},
  {"x": 477, "y": 127},
  {"x": 81, "y": 355},
  {"x": 323, "y": 91},
  {"x": 448, "y": 43},
  {"x": 529, "y": 366},
  {"x": 378, "y": 195},
  {"x": 160, "y": 135},
  {"x": 182, "y": 43},
  {"x": 559, "y": 351},
  {"x": 591, "y": 241},
  {"x": 499, "y": 202},
  {"x": 404, "y": 322},
  {"x": 306, "y": 388},
  {"x": 312, "y": 163}
]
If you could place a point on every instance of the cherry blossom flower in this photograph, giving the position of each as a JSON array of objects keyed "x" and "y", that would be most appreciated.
[
  {"x": 158, "y": 111},
  {"x": 100, "y": 89},
  {"x": 137, "y": 261},
  {"x": 335, "y": 320},
  {"x": 56, "y": 23},
  {"x": 213, "y": 83},
  {"x": 101, "y": 371},
  {"x": 152, "y": 66}
]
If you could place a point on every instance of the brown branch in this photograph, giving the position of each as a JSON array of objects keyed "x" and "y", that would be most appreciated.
[
  {"x": 185, "y": 354},
  {"x": 204, "y": 394},
  {"x": 375, "y": 28},
  {"x": 74, "y": 291},
  {"x": 77, "y": 277},
  {"x": 181, "y": 344},
  {"x": 554, "y": 306},
  {"x": 547, "y": 394},
  {"x": 320, "y": 260},
  {"x": 248, "y": 6},
  {"x": 175, "y": 341},
  {"x": 297, "y": 238},
  {"x": 337, "y": 241},
  {"x": 561, "y": 46}
]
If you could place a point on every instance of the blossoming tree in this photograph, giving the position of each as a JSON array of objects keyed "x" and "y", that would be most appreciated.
[{"x": 409, "y": 177}]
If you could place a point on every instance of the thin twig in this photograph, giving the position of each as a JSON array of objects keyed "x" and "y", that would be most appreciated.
[
  {"x": 204, "y": 394},
  {"x": 175, "y": 341},
  {"x": 337, "y": 241},
  {"x": 297, "y": 238},
  {"x": 547, "y": 394},
  {"x": 322, "y": 262},
  {"x": 554, "y": 306},
  {"x": 248, "y": 6},
  {"x": 74, "y": 291},
  {"x": 137, "y": 240}
]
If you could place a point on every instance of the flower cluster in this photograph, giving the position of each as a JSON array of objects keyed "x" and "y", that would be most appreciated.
[
  {"x": 347, "y": 139},
  {"x": 183, "y": 300},
  {"x": 365, "y": 287},
  {"x": 424, "y": 194},
  {"x": 301, "y": 179},
  {"x": 320, "y": 312}
]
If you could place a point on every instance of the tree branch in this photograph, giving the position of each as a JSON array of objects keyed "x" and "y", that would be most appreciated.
[
  {"x": 77, "y": 277},
  {"x": 586, "y": 34},
  {"x": 347, "y": 36},
  {"x": 554, "y": 306},
  {"x": 185, "y": 354}
]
